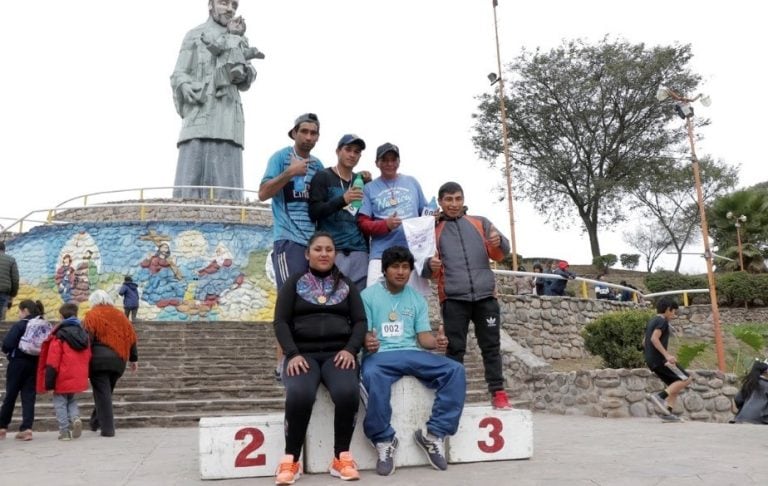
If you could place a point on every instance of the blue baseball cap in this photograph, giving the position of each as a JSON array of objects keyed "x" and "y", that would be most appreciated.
[{"x": 351, "y": 139}]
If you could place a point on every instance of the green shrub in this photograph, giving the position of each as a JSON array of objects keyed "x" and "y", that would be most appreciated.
[
  {"x": 688, "y": 352},
  {"x": 736, "y": 288},
  {"x": 663, "y": 280},
  {"x": 616, "y": 337}
]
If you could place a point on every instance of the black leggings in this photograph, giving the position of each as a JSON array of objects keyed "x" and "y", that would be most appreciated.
[{"x": 300, "y": 393}]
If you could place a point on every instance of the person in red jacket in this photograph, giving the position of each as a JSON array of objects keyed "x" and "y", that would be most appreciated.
[{"x": 63, "y": 368}]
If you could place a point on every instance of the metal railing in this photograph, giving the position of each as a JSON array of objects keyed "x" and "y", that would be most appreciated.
[
  {"x": 17, "y": 224},
  {"x": 585, "y": 282}
]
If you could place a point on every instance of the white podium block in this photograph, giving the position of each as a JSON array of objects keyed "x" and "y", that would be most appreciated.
[
  {"x": 241, "y": 447},
  {"x": 411, "y": 407},
  {"x": 486, "y": 434}
]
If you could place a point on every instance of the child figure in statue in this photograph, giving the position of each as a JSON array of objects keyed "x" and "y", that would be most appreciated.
[{"x": 231, "y": 52}]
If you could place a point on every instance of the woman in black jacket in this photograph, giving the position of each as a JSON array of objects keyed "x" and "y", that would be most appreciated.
[
  {"x": 751, "y": 402},
  {"x": 320, "y": 325},
  {"x": 21, "y": 374}
]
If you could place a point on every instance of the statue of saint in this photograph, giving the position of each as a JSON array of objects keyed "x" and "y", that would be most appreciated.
[{"x": 212, "y": 68}]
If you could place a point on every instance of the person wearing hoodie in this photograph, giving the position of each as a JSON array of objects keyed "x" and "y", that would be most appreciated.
[
  {"x": 113, "y": 343},
  {"x": 63, "y": 368},
  {"x": 557, "y": 286},
  {"x": 129, "y": 291}
]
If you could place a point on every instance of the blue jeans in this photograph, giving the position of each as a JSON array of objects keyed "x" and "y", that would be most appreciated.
[
  {"x": 66, "y": 409},
  {"x": 447, "y": 377}
]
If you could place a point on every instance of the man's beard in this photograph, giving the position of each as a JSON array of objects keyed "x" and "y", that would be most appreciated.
[{"x": 221, "y": 19}]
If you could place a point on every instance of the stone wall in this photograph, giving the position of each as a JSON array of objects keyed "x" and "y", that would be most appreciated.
[
  {"x": 168, "y": 210},
  {"x": 623, "y": 393},
  {"x": 551, "y": 326}
]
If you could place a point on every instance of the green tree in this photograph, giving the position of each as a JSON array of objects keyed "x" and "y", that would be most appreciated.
[
  {"x": 582, "y": 121},
  {"x": 752, "y": 203},
  {"x": 667, "y": 194},
  {"x": 629, "y": 261}
]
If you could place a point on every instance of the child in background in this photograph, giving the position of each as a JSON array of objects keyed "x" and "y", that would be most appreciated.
[{"x": 63, "y": 368}]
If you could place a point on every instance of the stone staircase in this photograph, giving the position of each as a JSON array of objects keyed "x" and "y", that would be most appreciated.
[{"x": 202, "y": 369}]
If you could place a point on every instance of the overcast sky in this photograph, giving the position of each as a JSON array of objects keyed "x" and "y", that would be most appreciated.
[{"x": 87, "y": 104}]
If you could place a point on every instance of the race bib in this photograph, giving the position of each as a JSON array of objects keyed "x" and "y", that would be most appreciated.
[{"x": 392, "y": 329}]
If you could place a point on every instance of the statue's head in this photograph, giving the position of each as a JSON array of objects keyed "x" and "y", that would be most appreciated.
[{"x": 222, "y": 11}]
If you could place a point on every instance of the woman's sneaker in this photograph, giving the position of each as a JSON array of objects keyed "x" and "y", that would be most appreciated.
[
  {"x": 287, "y": 470},
  {"x": 65, "y": 435},
  {"x": 344, "y": 468},
  {"x": 385, "y": 464},
  {"x": 434, "y": 449},
  {"x": 24, "y": 435},
  {"x": 3, "y": 433}
]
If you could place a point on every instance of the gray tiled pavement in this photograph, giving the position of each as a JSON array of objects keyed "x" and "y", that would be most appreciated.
[{"x": 568, "y": 450}]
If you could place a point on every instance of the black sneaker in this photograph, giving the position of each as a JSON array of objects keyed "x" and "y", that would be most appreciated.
[
  {"x": 434, "y": 449},
  {"x": 671, "y": 417},
  {"x": 385, "y": 464}
]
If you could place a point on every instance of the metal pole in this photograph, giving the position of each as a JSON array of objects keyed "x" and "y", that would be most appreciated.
[
  {"x": 707, "y": 252},
  {"x": 505, "y": 138}
]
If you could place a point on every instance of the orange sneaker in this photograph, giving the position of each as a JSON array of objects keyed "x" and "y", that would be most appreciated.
[
  {"x": 500, "y": 401},
  {"x": 287, "y": 470},
  {"x": 2, "y": 433},
  {"x": 344, "y": 468},
  {"x": 24, "y": 435}
]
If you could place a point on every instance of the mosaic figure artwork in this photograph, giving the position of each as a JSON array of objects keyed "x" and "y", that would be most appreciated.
[{"x": 184, "y": 271}]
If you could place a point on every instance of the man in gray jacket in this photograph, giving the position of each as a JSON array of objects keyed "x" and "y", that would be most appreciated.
[
  {"x": 9, "y": 280},
  {"x": 466, "y": 285}
]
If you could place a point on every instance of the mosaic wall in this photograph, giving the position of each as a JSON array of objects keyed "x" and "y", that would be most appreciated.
[{"x": 184, "y": 271}]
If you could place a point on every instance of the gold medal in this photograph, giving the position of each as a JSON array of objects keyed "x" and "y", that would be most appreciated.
[
  {"x": 322, "y": 300},
  {"x": 393, "y": 316}
]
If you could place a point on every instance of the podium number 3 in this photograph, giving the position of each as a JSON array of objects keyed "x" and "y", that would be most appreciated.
[
  {"x": 497, "y": 441},
  {"x": 257, "y": 440}
]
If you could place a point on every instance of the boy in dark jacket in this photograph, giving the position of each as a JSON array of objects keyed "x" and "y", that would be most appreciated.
[
  {"x": 63, "y": 368},
  {"x": 130, "y": 293},
  {"x": 466, "y": 285}
]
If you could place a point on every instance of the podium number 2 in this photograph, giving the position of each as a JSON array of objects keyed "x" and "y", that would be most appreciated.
[
  {"x": 497, "y": 441},
  {"x": 257, "y": 440}
]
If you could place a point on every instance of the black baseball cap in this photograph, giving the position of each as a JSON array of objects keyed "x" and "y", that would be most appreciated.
[{"x": 351, "y": 139}]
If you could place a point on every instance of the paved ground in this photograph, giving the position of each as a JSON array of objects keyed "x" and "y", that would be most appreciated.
[{"x": 568, "y": 450}]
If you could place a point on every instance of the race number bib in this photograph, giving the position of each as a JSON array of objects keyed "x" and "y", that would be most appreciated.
[{"x": 392, "y": 329}]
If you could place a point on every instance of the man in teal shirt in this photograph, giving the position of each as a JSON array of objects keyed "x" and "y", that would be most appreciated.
[{"x": 399, "y": 333}]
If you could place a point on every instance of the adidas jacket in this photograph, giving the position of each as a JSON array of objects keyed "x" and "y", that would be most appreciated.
[{"x": 463, "y": 248}]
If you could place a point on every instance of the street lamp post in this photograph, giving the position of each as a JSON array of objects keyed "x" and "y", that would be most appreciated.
[
  {"x": 737, "y": 224},
  {"x": 685, "y": 110},
  {"x": 505, "y": 138}
]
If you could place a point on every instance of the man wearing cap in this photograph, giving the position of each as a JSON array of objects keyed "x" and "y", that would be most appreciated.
[
  {"x": 387, "y": 201},
  {"x": 212, "y": 133},
  {"x": 287, "y": 182},
  {"x": 334, "y": 202}
]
